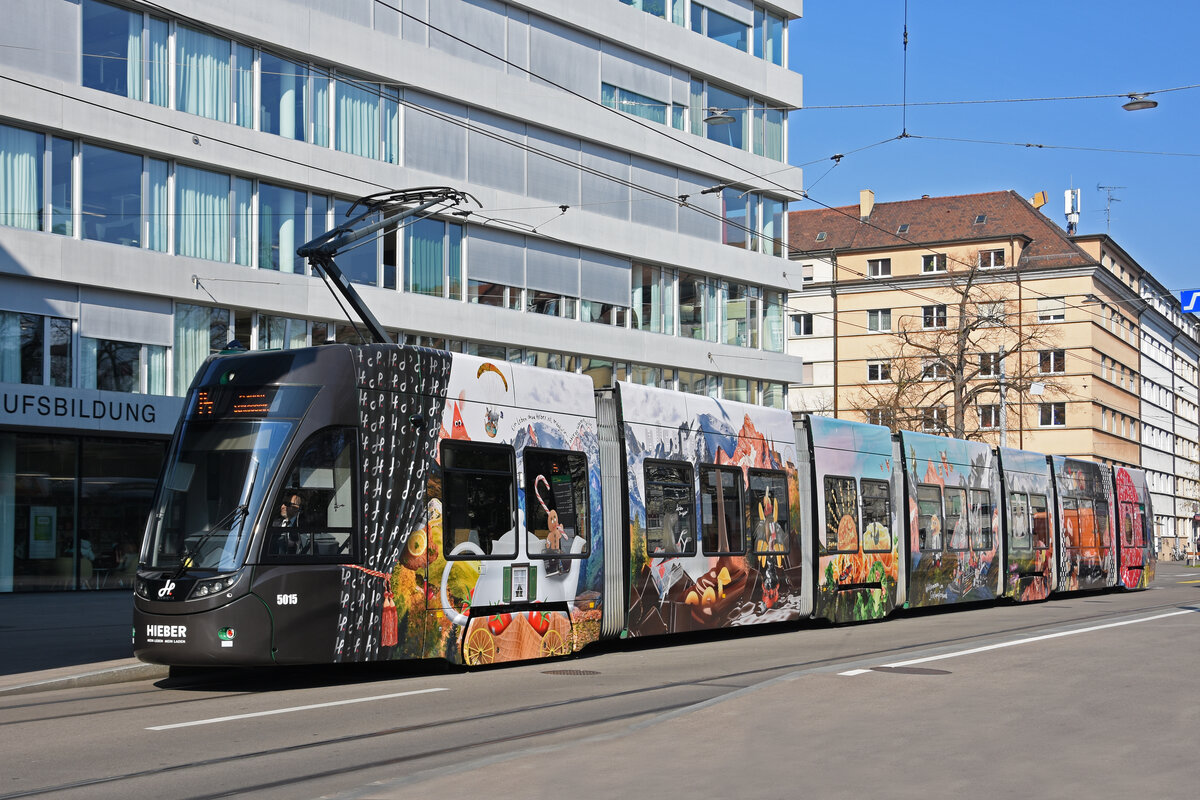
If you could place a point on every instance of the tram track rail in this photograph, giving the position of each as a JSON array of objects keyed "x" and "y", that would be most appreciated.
[{"x": 711, "y": 688}]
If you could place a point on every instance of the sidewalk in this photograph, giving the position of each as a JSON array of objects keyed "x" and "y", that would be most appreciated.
[{"x": 53, "y": 640}]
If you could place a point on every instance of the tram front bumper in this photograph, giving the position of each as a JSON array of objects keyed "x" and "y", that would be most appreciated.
[{"x": 236, "y": 634}]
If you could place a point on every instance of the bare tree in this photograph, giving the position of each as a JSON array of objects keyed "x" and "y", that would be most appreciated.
[{"x": 951, "y": 368}]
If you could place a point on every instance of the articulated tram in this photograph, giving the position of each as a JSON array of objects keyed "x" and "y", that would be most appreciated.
[{"x": 351, "y": 503}]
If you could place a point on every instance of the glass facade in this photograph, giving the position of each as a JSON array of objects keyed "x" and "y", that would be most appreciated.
[
  {"x": 79, "y": 507},
  {"x": 80, "y": 500}
]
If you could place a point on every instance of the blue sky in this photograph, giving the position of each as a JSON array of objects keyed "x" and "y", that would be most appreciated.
[{"x": 851, "y": 52}]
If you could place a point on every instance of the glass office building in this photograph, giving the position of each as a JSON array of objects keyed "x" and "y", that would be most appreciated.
[{"x": 160, "y": 163}]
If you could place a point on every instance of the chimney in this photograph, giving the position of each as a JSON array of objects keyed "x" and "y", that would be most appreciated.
[{"x": 866, "y": 204}]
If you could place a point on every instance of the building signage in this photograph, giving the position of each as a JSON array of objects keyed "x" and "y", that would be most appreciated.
[
  {"x": 87, "y": 409},
  {"x": 1190, "y": 300}
]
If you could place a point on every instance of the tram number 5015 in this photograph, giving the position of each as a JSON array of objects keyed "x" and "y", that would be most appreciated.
[{"x": 286, "y": 599}]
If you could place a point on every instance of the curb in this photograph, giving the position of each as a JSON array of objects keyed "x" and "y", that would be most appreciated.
[{"x": 121, "y": 674}]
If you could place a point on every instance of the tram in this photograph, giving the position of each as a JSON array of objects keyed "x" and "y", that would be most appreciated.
[{"x": 348, "y": 503}]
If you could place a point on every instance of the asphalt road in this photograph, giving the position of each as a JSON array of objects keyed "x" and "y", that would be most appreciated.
[{"x": 1076, "y": 697}]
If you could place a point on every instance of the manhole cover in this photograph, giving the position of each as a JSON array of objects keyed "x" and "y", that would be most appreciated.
[
  {"x": 570, "y": 672},
  {"x": 912, "y": 670}
]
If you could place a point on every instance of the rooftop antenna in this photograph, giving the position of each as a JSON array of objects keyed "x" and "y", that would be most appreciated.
[
  {"x": 1108, "y": 203},
  {"x": 1071, "y": 204}
]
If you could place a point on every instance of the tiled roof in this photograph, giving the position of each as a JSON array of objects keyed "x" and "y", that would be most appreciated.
[{"x": 937, "y": 220}]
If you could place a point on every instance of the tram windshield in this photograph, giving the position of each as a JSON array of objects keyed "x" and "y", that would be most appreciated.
[{"x": 214, "y": 484}]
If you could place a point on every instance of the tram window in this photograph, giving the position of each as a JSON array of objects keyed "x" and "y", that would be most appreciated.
[
  {"x": 1070, "y": 522},
  {"x": 312, "y": 519},
  {"x": 956, "y": 520},
  {"x": 1087, "y": 523},
  {"x": 1041, "y": 521},
  {"x": 981, "y": 520},
  {"x": 1140, "y": 531},
  {"x": 721, "y": 510},
  {"x": 929, "y": 517},
  {"x": 767, "y": 509},
  {"x": 841, "y": 515},
  {"x": 876, "y": 517},
  {"x": 1103, "y": 530},
  {"x": 670, "y": 503},
  {"x": 556, "y": 503},
  {"x": 1126, "y": 518},
  {"x": 477, "y": 500},
  {"x": 1018, "y": 511}
]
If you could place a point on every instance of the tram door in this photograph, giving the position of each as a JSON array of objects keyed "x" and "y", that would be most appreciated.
[{"x": 308, "y": 541}]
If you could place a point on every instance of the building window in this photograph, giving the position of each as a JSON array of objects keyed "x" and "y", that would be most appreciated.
[
  {"x": 934, "y": 262},
  {"x": 1051, "y": 309},
  {"x": 806, "y": 273},
  {"x": 802, "y": 324},
  {"x": 902, "y": 229},
  {"x": 881, "y": 416},
  {"x": 933, "y": 420},
  {"x": 879, "y": 267},
  {"x": 698, "y": 306},
  {"x": 639, "y": 105},
  {"x": 879, "y": 320},
  {"x": 281, "y": 219},
  {"x": 1052, "y": 361},
  {"x": 736, "y": 133},
  {"x": 122, "y": 366},
  {"x": 935, "y": 371},
  {"x": 741, "y": 314},
  {"x": 735, "y": 215},
  {"x": 879, "y": 371},
  {"x": 112, "y": 196},
  {"x": 773, "y": 338},
  {"x": 991, "y": 314},
  {"x": 486, "y": 293},
  {"x": 769, "y": 34},
  {"x": 35, "y": 349},
  {"x": 989, "y": 416},
  {"x": 200, "y": 331},
  {"x": 716, "y": 25},
  {"x": 989, "y": 365},
  {"x": 433, "y": 258},
  {"x": 1052, "y": 414},
  {"x": 22, "y": 198},
  {"x": 991, "y": 258},
  {"x": 933, "y": 316},
  {"x": 604, "y": 313},
  {"x": 123, "y": 56}
]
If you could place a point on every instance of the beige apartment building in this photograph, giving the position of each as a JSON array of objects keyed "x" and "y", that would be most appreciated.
[{"x": 978, "y": 316}]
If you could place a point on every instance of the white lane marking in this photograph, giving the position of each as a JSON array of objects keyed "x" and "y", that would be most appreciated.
[
  {"x": 294, "y": 708},
  {"x": 1015, "y": 642}
]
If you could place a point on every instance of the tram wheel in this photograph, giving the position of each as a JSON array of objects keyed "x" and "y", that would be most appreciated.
[
  {"x": 481, "y": 647},
  {"x": 553, "y": 645}
]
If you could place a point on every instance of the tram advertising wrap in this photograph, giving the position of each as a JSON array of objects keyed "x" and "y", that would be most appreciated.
[{"x": 358, "y": 503}]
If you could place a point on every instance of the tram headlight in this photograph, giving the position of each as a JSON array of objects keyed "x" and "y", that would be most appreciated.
[
  {"x": 214, "y": 586},
  {"x": 141, "y": 588}
]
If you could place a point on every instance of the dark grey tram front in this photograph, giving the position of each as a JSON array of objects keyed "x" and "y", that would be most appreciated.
[{"x": 255, "y": 512}]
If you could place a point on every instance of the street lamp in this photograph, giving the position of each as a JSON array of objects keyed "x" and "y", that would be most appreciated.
[
  {"x": 719, "y": 116},
  {"x": 1138, "y": 102}
]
